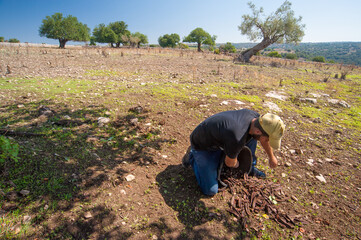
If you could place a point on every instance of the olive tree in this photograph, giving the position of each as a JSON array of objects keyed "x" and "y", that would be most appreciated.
[
  {"x": 115, "y": 33},
  {"x": 64, "y": 29},
  {"x": 103, "y": 34},
  {"x": 279, "y": 27},
  {"x": 200, "y": 37},
  {"x": 120, "y": 29},
  {"x": 137, "y": 38},
  {"x": 169, "y": 40}
]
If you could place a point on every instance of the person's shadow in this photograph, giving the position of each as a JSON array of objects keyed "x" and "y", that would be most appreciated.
[{"x": 180, "y": 191}]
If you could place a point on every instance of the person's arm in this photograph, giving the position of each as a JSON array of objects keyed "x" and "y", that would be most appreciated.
[
  {"x": 267, "y": 147},
  {"x": 231, "y": 162}
]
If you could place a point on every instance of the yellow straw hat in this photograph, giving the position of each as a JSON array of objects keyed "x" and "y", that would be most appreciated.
[{"x": 274, "y": 127}]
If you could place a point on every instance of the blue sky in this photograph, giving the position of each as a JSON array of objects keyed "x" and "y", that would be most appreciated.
[{"x": 326, "y": 20}]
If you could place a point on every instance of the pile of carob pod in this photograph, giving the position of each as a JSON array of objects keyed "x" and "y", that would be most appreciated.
[{"x": 251, "y": 196}]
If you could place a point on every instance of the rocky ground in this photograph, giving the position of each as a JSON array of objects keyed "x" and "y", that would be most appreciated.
[{"x": 101, "y": 134}]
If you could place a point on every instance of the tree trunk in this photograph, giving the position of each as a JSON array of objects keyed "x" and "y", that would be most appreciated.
[
  {"x": 246, "y": 55},
  {"x": 199, "y": 47},
  {"x": 62, "y": 43}
]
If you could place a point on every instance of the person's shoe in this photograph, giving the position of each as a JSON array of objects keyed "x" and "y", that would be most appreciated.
[
  {"x": 185, "y": 159},
  {"x": 257, "y": 173}
]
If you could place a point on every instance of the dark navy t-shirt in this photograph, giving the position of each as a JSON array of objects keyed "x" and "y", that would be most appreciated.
[{"x": 225, "y": 130}]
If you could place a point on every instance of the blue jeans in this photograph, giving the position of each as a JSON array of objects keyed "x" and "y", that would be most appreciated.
[{"x": 205, "y": 166}]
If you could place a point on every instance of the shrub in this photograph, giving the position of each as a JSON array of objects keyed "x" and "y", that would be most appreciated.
[
  {"x": 291, "y": 56},
  {"x": 183, "y": 46},
  {"x": 13, "y": 40},
  {"x": 319, "y": 59},
  {"x": 228, "y": 48},
  {"x": 1, "y": 39},
  {"x": 274, "y": 54},
  {"x": 216, "y": 51}
]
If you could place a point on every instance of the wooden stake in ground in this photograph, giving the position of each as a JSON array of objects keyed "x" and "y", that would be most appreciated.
[{"x": 8, "y": 69}]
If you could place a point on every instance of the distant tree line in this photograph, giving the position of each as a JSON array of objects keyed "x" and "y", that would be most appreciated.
[
  {"x": 331, "y": 52},
  {"x": 69, "y": 28},
  {"x": 116, "y": 34},
  {"x": 11, "y": 40}
]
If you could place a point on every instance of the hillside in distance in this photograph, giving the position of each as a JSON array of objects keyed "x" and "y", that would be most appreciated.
[{"x": 340, "y": 52}]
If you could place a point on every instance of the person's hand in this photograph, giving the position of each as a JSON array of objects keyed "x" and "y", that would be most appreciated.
[
  {"x": 237, "y": 165},
  {"x": 231, "y": 162},
  {"x": 267, "y": 147},
  {"x": 273, "y": 161}
]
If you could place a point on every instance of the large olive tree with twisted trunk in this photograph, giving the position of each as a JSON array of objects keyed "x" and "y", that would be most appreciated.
[{"x": 279, "y": 27}]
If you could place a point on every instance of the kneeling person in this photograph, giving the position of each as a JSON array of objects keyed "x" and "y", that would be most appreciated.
[{"x": 226, "y": 133}]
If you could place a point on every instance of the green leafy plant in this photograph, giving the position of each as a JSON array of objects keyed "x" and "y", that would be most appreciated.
[
  {"x": 9, "y": 150},
  {"x": 274, "y": 54},
  {"x": 319, "y": 59}
]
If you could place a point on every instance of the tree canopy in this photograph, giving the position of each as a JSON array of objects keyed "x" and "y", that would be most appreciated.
[
  {"x": 200, "y": 37},
  {"x": 103, "y": 34},
  {"x": 169, "y": 40},
  {"x": 120, "y": 28},
  {"x": 116, "y": 33},
  {"x": 64, "y": 29},
  {"x": 14, "y": 40},
  {"x": 279, "y": 27},
  {"x": 138, "y": 38}
]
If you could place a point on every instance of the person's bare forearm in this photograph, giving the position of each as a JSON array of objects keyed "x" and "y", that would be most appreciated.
[{"x": 271, "y": 157}]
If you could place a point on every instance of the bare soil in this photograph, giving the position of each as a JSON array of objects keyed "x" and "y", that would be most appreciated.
[{"x": 76, "y": 171}]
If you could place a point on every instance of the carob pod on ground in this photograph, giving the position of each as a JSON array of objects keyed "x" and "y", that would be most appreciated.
[{"x": 252, "y": 195}]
